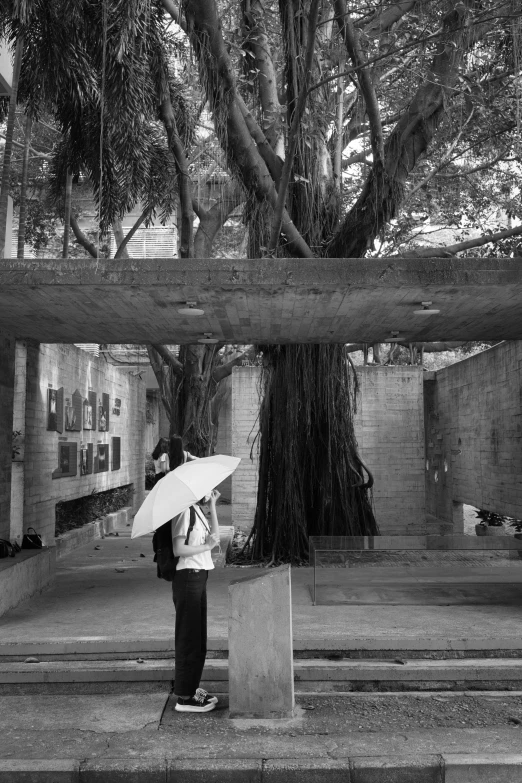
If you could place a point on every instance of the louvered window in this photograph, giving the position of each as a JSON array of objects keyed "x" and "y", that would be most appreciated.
[{"x": 154, "y": 242}]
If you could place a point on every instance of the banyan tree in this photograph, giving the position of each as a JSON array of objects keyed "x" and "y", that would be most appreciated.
[{"x": 336, "y": 129}]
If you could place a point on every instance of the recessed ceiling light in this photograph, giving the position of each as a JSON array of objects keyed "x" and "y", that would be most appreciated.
[
  {"x": 394, "y": 338},
  {"x": 190, "y": 309},
  {"x": 426, "y": 309},
  {"x": 208, "y": 339}
]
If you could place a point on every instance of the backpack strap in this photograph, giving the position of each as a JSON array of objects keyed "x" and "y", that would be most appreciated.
[{"x": 191, "y": 523}]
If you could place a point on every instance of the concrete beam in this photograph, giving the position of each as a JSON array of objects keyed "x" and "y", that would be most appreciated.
[
  {"x": 261, "y": 670},
  {"x": 261, "y": 300}
]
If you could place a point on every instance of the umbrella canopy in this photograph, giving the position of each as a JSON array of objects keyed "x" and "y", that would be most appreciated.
[{"x": 179, "y": 489}]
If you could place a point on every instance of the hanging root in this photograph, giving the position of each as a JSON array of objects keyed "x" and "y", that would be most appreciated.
[{"x": 311, "y": 477}]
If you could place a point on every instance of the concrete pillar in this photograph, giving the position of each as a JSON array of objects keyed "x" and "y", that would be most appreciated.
[
  {"x": 7, "y": 370},
  {"x": 260, "y": 652},
  {"x": 18, "y": 465}
]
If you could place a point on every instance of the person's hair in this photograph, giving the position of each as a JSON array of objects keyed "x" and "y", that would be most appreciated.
[
  {"x": 161, "y": 447},
  {"x": 176, "y": 453}
]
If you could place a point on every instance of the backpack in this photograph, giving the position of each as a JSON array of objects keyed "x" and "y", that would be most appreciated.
[{"x": 164, "y": 557}]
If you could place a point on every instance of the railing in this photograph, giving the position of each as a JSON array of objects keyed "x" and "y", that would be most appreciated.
[{"x": 460, "y": 548}]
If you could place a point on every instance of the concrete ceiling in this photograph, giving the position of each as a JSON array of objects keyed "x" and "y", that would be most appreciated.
[{"x": 261, "y": 300}]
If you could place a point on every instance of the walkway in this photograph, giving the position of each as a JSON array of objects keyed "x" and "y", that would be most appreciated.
[{"x": 106, "y": 597}]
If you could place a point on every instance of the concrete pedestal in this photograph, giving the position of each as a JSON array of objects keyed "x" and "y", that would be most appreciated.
[{"x": 260, "y": 657}]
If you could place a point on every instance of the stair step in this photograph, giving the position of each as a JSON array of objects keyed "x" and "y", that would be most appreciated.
[{"x": 311, "y": 674}]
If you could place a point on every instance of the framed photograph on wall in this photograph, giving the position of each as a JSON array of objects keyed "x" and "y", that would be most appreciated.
[
  {"x": 55, "y": 410},
  {"x": 103, "y": 413},
  {"x": 87, "y": 415},
  {"x": 101, "y": 460},
  {"x": 116, "y": 453},
  {"x": 83, "y": 461},
  {"x": 67, "y": 460}
]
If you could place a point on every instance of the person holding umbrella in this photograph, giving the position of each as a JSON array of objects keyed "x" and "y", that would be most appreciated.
[
  {"x": 176, "y": 499},
  {"x": 189, "y": 591}
]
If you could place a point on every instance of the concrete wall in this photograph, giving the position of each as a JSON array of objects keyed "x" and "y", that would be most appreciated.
[
  {"x": 71, "y": 368},
  {"x": 244, "y": 409},
  {"x": 7, "y": 375},
  {"x": 389, "y": 427},
  {"x": 474, "y": 435},
  {"x": 224, "y": 435}
]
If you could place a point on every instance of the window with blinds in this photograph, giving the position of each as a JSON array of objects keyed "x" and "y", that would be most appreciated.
[{"x": 154, "y": 242}]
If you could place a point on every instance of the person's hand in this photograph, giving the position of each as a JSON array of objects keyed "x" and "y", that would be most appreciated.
[
  {"x": 212, "y": 540},
  {"x": 214, "y": 496}
]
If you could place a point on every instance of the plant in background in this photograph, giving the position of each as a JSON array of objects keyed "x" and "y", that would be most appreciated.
[
  {"x": 150, "y": 473},
  {"x": 71, "y": 514}
]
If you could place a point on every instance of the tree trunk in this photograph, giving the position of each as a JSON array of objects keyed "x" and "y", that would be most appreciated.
[
  {"x": 311, "y": 480},
  {"x": 22, "y": 214},
  {"x": 8, "y": 149},
  {"x": 67, "y": 214}
]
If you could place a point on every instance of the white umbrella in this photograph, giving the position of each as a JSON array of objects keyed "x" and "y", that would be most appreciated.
[{"x": 179, "y": 489}]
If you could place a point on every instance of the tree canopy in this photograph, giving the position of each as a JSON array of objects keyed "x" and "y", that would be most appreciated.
[{"x": 342, "y": 129}]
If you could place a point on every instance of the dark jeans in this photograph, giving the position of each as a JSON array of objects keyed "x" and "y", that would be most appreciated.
[
  {"x": 189, "y": 591},
  {"x": 157, "y": 477}
]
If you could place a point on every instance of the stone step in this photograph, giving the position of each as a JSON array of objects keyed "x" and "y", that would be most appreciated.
[
  {"x": 312, "y": 675},
  {"x": 349, "y": 647}
]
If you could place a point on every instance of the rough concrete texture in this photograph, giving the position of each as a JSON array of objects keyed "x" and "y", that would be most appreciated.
[
  {"x": 389, "y": 427},
  {"x": 70, "y": 368},
  {"x": 473, "y": 433},
  {"x": 260, "y": 654},
  {"x": 261, "y": 300},
  {"x": 7, "y": 380},
  {"x": 39, "y": 771},
  {"x": 482, "y": 768},
  {"x": 25, "y": 576},
  {"x": 105, "y": 599}
]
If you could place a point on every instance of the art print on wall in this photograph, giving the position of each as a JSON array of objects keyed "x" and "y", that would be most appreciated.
[
  {"x": 52, "y": 409},
  {"x": 87, "y": 415},
  {"x": 55, "y": 410},
  {"x": 102, "y": 458},
  {"x": 83, "y": 461},
  {"x": 67, "y": 460},
  {"x": 103, "y": 414},
  {"x": 70, "y": 417}
]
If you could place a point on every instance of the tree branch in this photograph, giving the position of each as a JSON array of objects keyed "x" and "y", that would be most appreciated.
[
  {"x": 444, "y": 161},
  {"x": 168, "y": 358},
  {"x": 293, "y": 132},
  {"x": 213, "y": 219},
  {"x": 223, "y": 370},
  {"x": 82, "y": 239},
  {"x": 384, "y": 190},
  {"x": 451, "y": 250},
  {"x": 236, "y": 140},
  {"x": 172, "y": 9},
  {"x": 381, "y": 22},
  {"x": 257, "y": 42},
  {"x": 186, "y": 244},
  {"x": 349, "y": 36},
  {"x": 123, "y": 245}
]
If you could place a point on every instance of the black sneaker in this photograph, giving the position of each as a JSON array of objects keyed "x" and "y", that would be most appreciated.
[
  {"x": 206, "y": 695},
  {"x": 197, "y": 703}
]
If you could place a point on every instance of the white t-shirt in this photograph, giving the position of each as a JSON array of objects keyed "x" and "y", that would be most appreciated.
[
  {"x": 198, "y": 534},
  {"x": 162, "y": 464}
]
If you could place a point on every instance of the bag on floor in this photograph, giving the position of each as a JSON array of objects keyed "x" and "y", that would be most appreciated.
[
  {"x": 164, "y": 557},
  {"x": 6, "y": 548},
  {"x": 32, "y": 540}
]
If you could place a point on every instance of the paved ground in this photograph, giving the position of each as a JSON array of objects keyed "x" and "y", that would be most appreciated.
[
  {"x": 108, "y": 598},
  {"x": 106, "y": 592}
]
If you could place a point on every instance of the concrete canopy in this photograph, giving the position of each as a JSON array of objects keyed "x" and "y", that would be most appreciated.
[{"x": 261, "y": 300}]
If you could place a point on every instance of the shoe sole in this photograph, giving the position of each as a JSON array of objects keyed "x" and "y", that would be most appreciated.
[{"x": 188, "y": 708}]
